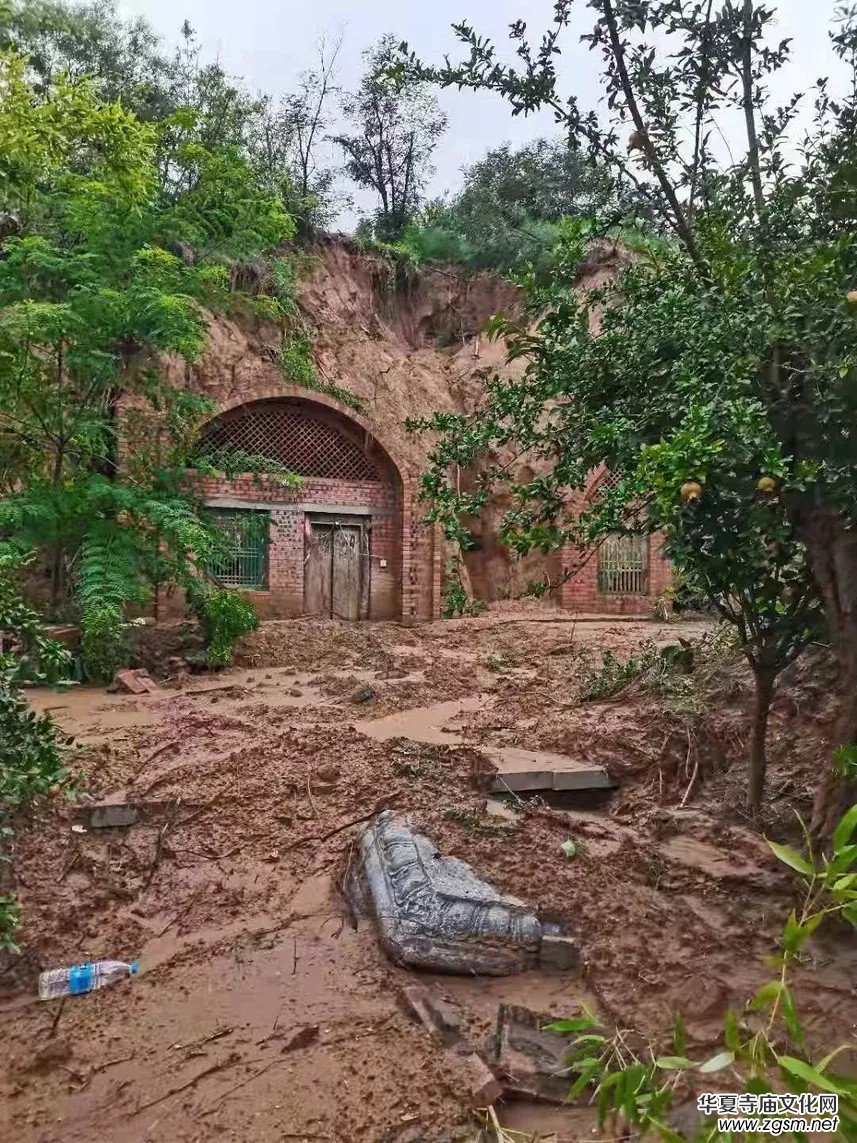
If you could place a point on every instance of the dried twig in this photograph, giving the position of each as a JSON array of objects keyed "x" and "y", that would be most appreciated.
[
  {"x": 56, "y": 1019},
  {"x": 218, "y": 1035},
  {"x": 691, "y": 746},
  {"x": 232, "y": 1058},
  {"x": 332, "y": 833},
  {"x": 162, "y": 833},
  {"x": 261, "y": 1071},
  {"x": 151, "y": 757},
  {"x": 177, "y": 916},
  {"x": 70, "y": 864}
]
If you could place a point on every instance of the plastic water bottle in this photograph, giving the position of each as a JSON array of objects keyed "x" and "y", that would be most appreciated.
[{"x": 79, "y": 978}]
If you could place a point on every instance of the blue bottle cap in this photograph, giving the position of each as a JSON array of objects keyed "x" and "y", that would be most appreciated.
[{"x": 135, "y": 967}]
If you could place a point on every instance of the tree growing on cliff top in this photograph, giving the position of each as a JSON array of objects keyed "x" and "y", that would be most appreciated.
[
  {"x": 748, "y": 315},
  {"x": 395, "y": 127}
]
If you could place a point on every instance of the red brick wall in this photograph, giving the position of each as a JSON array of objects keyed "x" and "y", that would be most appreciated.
[
  {"x": 285, "y": 594},
  {"x": 580, "y": 592}
]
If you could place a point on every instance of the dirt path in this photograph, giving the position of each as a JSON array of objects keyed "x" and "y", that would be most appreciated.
[{"x": 259, "y": 1012}]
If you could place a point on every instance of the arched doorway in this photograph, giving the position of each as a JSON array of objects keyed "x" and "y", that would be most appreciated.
[{"x": 330, "y": 547}]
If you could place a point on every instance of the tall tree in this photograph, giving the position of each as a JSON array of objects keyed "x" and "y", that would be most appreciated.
[
  {"x": 90, "y": 294},
  {"x": 286, "y": 139},
  {"x": 396, "y": 125},
  {"x": 749, "y": 313}
]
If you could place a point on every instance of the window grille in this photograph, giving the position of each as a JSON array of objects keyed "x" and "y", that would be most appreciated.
[
  {"x": 305, "y": 443},
  {"x": 247, "y": 534},
  {"x": 623, "y": 565}
]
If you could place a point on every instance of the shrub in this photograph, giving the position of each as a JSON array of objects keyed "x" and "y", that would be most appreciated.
[{"x": 224, "y": 616}]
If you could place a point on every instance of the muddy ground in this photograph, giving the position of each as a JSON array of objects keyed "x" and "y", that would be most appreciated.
[{"x": 260, "y": 1013}]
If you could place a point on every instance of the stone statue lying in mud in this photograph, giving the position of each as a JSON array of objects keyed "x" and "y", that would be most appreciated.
[{"x": 433, "y": 912}]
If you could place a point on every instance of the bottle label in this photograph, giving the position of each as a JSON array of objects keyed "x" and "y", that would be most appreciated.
[{"x": 81, "y": 978}]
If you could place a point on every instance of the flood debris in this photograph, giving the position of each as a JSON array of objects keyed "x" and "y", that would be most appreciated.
[
  {"x": 559, "y": 952},
  {"x": 479, "y": 1081},
  {"x": 119, "y": 815},
  {"x": 528, "y": 1060},
  {"x": 132, "y": 682},
  {"x": 439, "y": 1017},
  {"x": 434, "y": 912}
]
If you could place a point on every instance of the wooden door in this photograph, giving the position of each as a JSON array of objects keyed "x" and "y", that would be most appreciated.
[
  {"x": 333, "y": 576},
  {"x": 318, "y": 569},
  {"x": 346, "y": 571}
]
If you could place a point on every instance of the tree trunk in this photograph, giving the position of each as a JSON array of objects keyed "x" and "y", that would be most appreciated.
[
  {"x": 764, "y": 678},
  {"x": 832, "y": 547}
]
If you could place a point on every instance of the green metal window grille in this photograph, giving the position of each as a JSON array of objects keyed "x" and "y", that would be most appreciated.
[
  {"x": 247, "y": 537},
  {"x": 623, "y": 565}
]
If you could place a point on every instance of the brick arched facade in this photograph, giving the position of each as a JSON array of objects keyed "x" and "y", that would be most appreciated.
[{"x": 402, "y": 559}]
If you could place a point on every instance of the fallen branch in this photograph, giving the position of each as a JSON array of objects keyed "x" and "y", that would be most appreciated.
[
  {"x": 173, "y": 742},
  {"x": 162, "y": 833},
  {"x": 218, "y": 1035},
  {"x": 177, "y": 916},
  {"x": 690, "y": 746},
  {"x": 232, "y": 1058},
  {"x": 333, "y": 832}
]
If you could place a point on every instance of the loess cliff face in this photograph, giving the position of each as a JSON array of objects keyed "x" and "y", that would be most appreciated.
[{"x": 402, "y": 350}]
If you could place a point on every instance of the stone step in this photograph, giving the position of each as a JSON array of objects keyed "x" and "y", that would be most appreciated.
[{"x": 528, "y": 771}]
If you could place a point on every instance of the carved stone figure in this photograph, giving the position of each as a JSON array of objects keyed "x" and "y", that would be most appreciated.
[{"x": 433, "y": 912}]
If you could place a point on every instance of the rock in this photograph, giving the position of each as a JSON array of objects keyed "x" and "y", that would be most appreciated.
[
  {"x": 105, "y": 815},
  {"x": 559, "y": 952},
  {"x": 329, "y": 773},
  {"x": 438, "y": 1016},
  {"x": 132, "y": 683},
  {"x": 363, "y": 694},
  {"x": 482, "y": 1085},
  {"x": 529, "y": 1061},
  {"x": 434, "y": 912}
]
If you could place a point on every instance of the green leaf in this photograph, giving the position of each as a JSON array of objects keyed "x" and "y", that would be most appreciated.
[
  {"x": 806, "y": 1072},
  {"x": 732, "y": 1035},
  {"x": 666, "y": 1133},
  {"x": 674, "y": 1063},
  {"x": 790, "y": 1016},
  {"x": 790, "y": 857},
  {"x": 679, "y": 1037},
  {"x": 717, "y": 1063},
  {"x": 794, "y": 934},
  {"x": 577, "y": 1024},
  {"x": 767, "y": 994},
  {"x": 842, "y": 860},
  {"x": 845, "y": 829},
  {"x": 569, "y": 848}
]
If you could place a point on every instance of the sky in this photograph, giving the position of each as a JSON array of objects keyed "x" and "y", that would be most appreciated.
[{"x": 270, "y": 42}]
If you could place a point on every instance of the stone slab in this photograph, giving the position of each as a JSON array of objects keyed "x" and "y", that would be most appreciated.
[
  {"x": 482, "y": 1086},
  {"x": 440, "y": 1019},
  {"x": 433, "y": 912},
  {"x": 530, "y": 781},
  {"x": 559, "y": 952},
  {"x": 527, "y": 1060}
]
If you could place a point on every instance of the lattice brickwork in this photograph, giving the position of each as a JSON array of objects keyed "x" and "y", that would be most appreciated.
[{"x": 303, "y": 444}]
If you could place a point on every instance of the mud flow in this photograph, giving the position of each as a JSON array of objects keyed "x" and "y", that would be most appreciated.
[{"x": 262, "y": 1011}]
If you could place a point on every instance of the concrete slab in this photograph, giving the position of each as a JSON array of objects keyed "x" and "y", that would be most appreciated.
[
  {"x": 531, "y": 781},
  {"x": 528, "y": 771}
]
